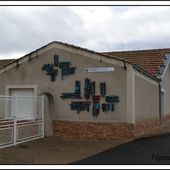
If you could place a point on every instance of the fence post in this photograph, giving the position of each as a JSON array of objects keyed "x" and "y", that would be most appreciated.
[
  {"x": 42, "y": 104},
  {"x": 15, "y": 130},
  {"x": 15, "y": 119}
]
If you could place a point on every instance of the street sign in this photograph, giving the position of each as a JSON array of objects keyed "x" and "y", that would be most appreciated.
[{"x": 99, "y": 69}]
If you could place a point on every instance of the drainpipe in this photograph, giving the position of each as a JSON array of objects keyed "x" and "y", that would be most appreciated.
[
  {"x": 160, "y": 101},
  {"x": 161, "y": 90}
]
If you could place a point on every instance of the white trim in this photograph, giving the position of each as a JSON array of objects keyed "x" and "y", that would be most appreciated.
[
  {"x": 9, "y": 87},
  {"x": 29, "y": 123},
  {"x": 29, "y": 139},
  {"x": 15, "y": 132},
  {"x": 2, "y": 97},
  {"x": 146, "y": 78},
  {"x": 43, "y": 122},
  {"x": 6, "y": 145},
  {"x": 98, "y": 69},
  {"x": 6, "y": 126}
]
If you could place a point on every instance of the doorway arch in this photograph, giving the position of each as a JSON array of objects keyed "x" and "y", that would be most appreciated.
[{"x": 48, "y": 113}]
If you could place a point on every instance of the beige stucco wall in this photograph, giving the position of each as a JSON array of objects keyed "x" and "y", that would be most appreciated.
[
  {"x": 146, "y": 99},
  {"x": 166, "y": 88},
  {"x": 30, "y": 73}
]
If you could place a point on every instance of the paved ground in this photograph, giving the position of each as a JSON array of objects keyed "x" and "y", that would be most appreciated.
[
  {"x": 152, "y": 147},
  {"x": 152, "y": 150},
  {"x": 146, "y": 151},
  {"x": 54, "y": 151}
]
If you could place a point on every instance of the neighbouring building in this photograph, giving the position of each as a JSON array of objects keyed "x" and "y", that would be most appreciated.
[{"x": 109, "y": 95}]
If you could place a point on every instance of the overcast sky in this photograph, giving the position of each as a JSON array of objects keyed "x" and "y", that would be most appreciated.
[{"x": 24, "y": 29}]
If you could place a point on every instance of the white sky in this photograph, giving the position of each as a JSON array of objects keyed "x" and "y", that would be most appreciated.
[{"x": 24, "y": 29}]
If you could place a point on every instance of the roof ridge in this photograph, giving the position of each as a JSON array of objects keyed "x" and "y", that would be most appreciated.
[
  {"x": 143, "y": 50},
  {"x": 7, "y": 59},
  {"x": 4, "y": 62}
]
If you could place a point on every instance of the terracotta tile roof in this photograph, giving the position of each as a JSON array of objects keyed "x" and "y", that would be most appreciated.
[
  {"x": 149, "y": 60},
  {"x": 5, "y": 61}
]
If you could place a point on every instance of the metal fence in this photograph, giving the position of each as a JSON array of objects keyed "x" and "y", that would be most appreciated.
[{"x": 21, "y": 119}]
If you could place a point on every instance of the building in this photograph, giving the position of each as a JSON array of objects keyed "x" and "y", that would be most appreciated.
[{"x": 109, "y": 95}]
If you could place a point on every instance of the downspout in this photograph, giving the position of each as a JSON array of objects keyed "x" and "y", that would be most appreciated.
[
  {"x": 124, "y": 63},
  {"x": 160, "y": 101},
  {"x": 161, "y": 90}
]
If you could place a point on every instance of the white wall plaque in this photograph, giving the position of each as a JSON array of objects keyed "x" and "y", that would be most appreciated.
[{"x": 99, "y": 69}]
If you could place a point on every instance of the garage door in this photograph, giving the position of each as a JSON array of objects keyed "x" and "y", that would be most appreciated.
[{"x": 26, "y": 104}]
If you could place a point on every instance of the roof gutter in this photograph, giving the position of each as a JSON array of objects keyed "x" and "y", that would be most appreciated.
[
  {"x": 166, "y": 66},
  {"x": 161, "y": 102},
  {"x": 146, "y": 73}
]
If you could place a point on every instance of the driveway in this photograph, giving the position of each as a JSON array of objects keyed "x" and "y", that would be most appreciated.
[
  {"x": 146, "y": 151},
  {"x": 54, "y": 151}
]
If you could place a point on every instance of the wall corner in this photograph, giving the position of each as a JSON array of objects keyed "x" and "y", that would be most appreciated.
[{"x": 130, "y": 95}]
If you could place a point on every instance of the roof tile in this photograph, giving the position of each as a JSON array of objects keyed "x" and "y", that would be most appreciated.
[
  {"x": 5, "y": 62},
  {"x": 148, "y": 60}
]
